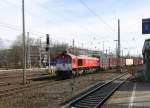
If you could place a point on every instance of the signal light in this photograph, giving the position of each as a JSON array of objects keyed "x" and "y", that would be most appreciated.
[
  {"x": 46, "y": 48},
  {"x": 47, "y": 39}
]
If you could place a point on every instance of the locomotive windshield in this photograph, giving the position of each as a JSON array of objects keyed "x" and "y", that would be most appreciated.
[{"x": 63, "y": 60}]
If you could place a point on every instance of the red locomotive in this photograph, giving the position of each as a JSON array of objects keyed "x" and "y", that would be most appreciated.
[{"x": 68, "y": 64}]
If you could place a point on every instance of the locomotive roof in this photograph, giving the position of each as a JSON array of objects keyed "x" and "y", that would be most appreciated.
[
  {"x": 86, "y": 57},
  {"x": 71, "y": 55},
  {"x": 80, "y": 56},
  {"x": 67, "y": 54}
]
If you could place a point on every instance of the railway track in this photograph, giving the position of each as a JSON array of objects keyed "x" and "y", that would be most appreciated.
[
  {"x": 17, "y": 76},
  {"x": 15, "y": 80},
  {"x": 96, "y": 96},
  {"x": 14, "y": 90},
  {"x": 18, "y": 72}
]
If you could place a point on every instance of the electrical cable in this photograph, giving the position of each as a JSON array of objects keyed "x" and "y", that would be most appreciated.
[{"x": 96, "y": 15}]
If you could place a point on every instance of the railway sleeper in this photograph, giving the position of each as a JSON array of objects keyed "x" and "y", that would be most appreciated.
[
  {"x": 79, "y": 106},
  {"x": 95, "y": 102},
  {"x": 97, "y": 95},
  {"x": 89, "y": 101},
  {"x": 84, "y": 105}
]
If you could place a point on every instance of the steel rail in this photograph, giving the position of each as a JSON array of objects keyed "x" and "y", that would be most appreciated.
[
  {"x": 109, "y": 94},
  {"x": 98, "y": 87},
  {"x": 11, "y": 91}
]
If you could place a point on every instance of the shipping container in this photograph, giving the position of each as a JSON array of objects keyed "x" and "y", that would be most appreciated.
[{"x": 129, "y": 62}]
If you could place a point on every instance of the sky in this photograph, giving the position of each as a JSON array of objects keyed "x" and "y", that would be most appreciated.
[{"x": 89, "y": 22}]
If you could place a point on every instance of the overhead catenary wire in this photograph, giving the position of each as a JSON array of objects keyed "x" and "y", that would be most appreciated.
[
  {"x": 39, "y": 17},
  {"x": 81, "y": 1},
  {"x": 66, "y": 19},
  {"x": 87, "y": 29},
  {"x": 99, "y": 18},
  {"x": 69, "y": 20},
  {"x": 18, "y": 28},
  {"x": 96, "y": 15},
  {"x": 35, "y": 32},
  {"x": 47, "y": 9},
  {"x": 27, "y": 11},
  {"x": 61, "y": 16}
]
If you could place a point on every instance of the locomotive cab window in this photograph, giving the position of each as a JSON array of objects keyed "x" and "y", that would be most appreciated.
[
  {"x": 79, "y": 62},
  {"x": 74, "y": 61}
]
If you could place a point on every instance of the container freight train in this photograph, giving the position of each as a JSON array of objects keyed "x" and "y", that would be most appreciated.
[{"x": 68, "y": 64}]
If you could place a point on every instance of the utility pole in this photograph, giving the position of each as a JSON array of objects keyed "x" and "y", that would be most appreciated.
[
  {"x": 73, "y": 46},
  {"x": 99, "y": 56},
  {"x": 24, "y": 44},
  {"x": 106, "y": 62},
  {"x": 103, "y": 55},
  {"x": 82, "y": 50},
  {"x": 116, "y": 48},
  {"x": 40, "y": 54},
  {"x": 122, "y": 58},
  {"x": 118, "y": 54},
  {"x": 48, "y": 49},
  {"x": 109, "y": 50},
  {"x": 103, "y": 47},
  {"x": 28, "y": 51}
]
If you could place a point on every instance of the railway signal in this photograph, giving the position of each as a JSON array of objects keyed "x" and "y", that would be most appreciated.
[
  {"x": 47, "y": 39},
  {"x": 48, "y": 49},
  {"x": 47, "y": 42}
]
